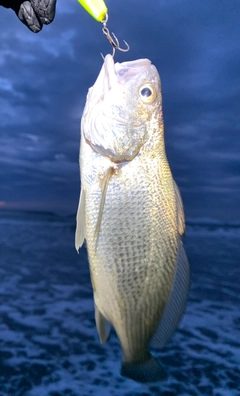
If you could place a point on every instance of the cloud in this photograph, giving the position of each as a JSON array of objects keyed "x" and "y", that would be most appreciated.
[{"x": 44, "y": 80}]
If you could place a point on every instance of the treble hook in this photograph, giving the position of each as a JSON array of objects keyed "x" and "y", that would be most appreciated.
[{"x": 113, "y": 39}]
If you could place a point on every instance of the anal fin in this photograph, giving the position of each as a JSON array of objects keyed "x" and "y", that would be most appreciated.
[{"x": 176, "y": 303}]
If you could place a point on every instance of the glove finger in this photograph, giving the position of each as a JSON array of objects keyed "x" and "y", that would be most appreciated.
[
  {"x": 27, "y": 15},
  {"x": 45, "y": 10}
]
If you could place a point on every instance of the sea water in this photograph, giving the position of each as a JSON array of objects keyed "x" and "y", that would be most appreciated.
[{"x": 48, "y": 340}]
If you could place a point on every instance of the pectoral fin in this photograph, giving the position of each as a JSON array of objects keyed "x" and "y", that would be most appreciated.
[
  {"x": 103, "y": 326},
  {"x": 176, "y": 304},
  {"x": 80, "y": 229},
  {"x": 180, "y": 210},
  {"x": 104, "y": 186}
]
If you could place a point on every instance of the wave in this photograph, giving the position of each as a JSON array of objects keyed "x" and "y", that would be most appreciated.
[
  {"x": 7, "y": 215},
  {"x": 203, "y": 223},
  {"x": 212, "y": 224}
]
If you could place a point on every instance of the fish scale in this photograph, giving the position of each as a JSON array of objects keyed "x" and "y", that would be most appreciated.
[
  {"x": 131, "y": 216},
  {"x": 123, "y": 202}
]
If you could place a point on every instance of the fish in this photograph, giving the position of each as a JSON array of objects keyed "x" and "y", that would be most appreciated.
[{"x": 131, "y": 216}]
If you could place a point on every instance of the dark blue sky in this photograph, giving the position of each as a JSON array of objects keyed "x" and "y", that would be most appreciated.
[{"x": 44, "y": 80}]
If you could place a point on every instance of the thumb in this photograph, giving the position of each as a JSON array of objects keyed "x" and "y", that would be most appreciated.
[
  {"x": 27, "y": 15},
  {"x": 45, "y": 10}
]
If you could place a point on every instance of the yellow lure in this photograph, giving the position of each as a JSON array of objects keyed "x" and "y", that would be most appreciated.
[{"x": 96, "y": 8}]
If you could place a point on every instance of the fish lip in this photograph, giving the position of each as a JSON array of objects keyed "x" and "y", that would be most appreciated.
[{"x": 110, "y": 72}]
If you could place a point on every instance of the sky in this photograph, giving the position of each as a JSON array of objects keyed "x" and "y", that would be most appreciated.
[{"x": 44, "y": 79}]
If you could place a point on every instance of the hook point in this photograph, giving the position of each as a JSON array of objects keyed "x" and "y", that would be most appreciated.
[{"x": 113, "y": 40}]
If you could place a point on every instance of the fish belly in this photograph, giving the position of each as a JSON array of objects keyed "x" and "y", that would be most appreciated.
[{"x": 132, "y": 259}]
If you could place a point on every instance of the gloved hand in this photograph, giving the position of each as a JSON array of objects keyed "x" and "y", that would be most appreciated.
[{"x": 33, "y": 13}]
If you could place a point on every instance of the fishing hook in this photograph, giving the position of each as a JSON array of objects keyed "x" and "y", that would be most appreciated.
[{"x": 112, "y": 38}]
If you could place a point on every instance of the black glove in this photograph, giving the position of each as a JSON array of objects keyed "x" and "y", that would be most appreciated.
[{"x": 33, "y": 13}]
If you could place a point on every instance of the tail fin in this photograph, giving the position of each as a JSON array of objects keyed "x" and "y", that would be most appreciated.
[{"x": 148, "y": 371}]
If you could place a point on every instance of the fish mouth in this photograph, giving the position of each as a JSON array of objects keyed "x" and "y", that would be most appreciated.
[
  {"x": 123, "y": 72},
  {"x": 114, "y": 122},
  {"x": 116, "y": 75},
  {"x": 113, "y": 75}
]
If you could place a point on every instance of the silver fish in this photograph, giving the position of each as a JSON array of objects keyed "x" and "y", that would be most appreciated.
[{"x": 131, "y": 215}]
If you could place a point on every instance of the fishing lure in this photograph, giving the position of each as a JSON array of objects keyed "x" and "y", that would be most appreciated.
[{"x": 98, "y": 10}]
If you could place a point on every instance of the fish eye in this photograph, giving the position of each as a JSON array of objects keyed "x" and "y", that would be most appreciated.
[{"x": 147, "y": 93}]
